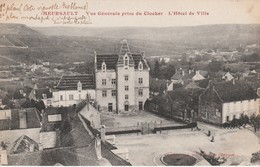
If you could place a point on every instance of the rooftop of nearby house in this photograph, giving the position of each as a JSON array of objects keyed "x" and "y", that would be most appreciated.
[
  {"x": 77, "y": 148},
  {"x": 70, "y": 82},
  {"x": 22, "y": 145},
  {"x": 177, "y": 76},
  {"x": 12, "y": 121},
  {"x": 234, "y": 91},
  {"x": 192, "y": 85},
  {"x": 187, "y": 74},
  {"x": 22, "y": 92},
  {"x": 43, "y": 93}
]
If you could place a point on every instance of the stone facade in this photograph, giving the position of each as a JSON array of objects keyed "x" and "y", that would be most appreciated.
[
  {"x": 70, "y": 97},
  {"x": 122, "y": 81},
  {"x": 224, "y": 101},
  {"x": 73, "y": 89}
]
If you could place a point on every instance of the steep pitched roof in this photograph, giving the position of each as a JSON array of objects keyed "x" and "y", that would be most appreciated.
[
  {"x": 81, "y": 156},
  {"x": 113, "y": 158},
  {"x": 229, "y": 91},
  {"x": 32, "y": 120},
  {"x": 38, "y": 94},
  {"x": 137, "y": 58},
  {"x": 111, "y": 60},
  {"x": 23, "y": 144},
  {"x": 78, "y": 149},
  {"x": 192, "y": 85},
  {"x": 70, "y": 82},
  {"x": 177, "y": 75},
  {"x": 188, "y": 76}
]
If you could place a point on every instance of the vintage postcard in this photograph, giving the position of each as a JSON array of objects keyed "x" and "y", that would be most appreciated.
[{"x": 130, "y": 82}]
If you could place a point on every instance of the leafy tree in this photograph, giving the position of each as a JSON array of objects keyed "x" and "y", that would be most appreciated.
[
  {"x": 169, "y": 72},
  {"x": 156, "y": 69},
  {"x": 251, "y": 58},
  {"x": 215, "y": 66}
]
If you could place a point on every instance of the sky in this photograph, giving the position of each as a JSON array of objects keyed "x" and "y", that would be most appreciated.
[{"x": 215, "y": 12}]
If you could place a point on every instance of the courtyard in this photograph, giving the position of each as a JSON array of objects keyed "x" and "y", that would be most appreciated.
[
  {"x": 144, "y": 150},
  {"x": 132, "y": 119}
]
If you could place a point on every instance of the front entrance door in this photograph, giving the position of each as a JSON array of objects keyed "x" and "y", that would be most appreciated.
[
  {"x": 140, "y": 105},
  {"x": 126, "y": 107},
  {"x": 110, "y": 107}
]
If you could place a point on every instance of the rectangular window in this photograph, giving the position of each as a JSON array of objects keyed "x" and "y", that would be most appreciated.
[
  {"x": 227, "y": 118},
  {"x": 79, "y": 96},
  {"x": 70, "y": 97},
  {"x": 140, "y": 105},
  {"x": 113, "y": 92},
  {"x": 61, "y": 97},
  {"x": 126, "y": 77},
  {"x": 113, "y": 82},
  {"x": 140, "y": 80},
  {"x": 110, "y": 107},
  {"x": 140, "y": 92},
  {"x": 104, "y": 81},
  {"x": 104, "y": 93},
  {"x": 126, "y": 97},
  {"x": 126, "y": 88}
]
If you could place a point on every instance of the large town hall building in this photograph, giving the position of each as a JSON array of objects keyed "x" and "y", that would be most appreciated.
[
  {"x": 120, "y": 83},
  {"x": 122, "y": 80}
]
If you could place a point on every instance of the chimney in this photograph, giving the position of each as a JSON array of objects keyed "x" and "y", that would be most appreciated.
[
  {"x": 98, "y": 147},
  {"x": 183, "y": 72},
  {"x": 31, "y": 148},
  {"x": 3, "y": 157},
  {"x": 143, "y": 54},
  {"x": 22, "y": 119},
  {"x": 103, "y": 133},
  {"x": 40, "y": 146},
  {"x": 57, "y": 138},
  {"x": 189, "y": 71}
]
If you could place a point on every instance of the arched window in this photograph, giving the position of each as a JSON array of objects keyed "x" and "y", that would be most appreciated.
[
  {"x": 79, "y": 86},
  {"x": 104, "y": 67},
  {"x": 140, "y": 67},
  {"x": 126, "y": 60}
]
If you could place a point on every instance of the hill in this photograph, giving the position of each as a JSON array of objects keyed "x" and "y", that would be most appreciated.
[
  {"x": 66, "y": 44},
  {"x": 16, "y": 29},
  {"x": 195, "y": 36}
]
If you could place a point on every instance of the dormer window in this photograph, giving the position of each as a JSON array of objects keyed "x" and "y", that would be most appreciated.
[
  {"x": 140, "y": 66},
  {"x": 21, "y": 91},
  {"x": 126, "y": 60},
  {"x": 79, "y": 85},
  {"x": 104, "y": 67},
  {"x": 44, "y": 96}
]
